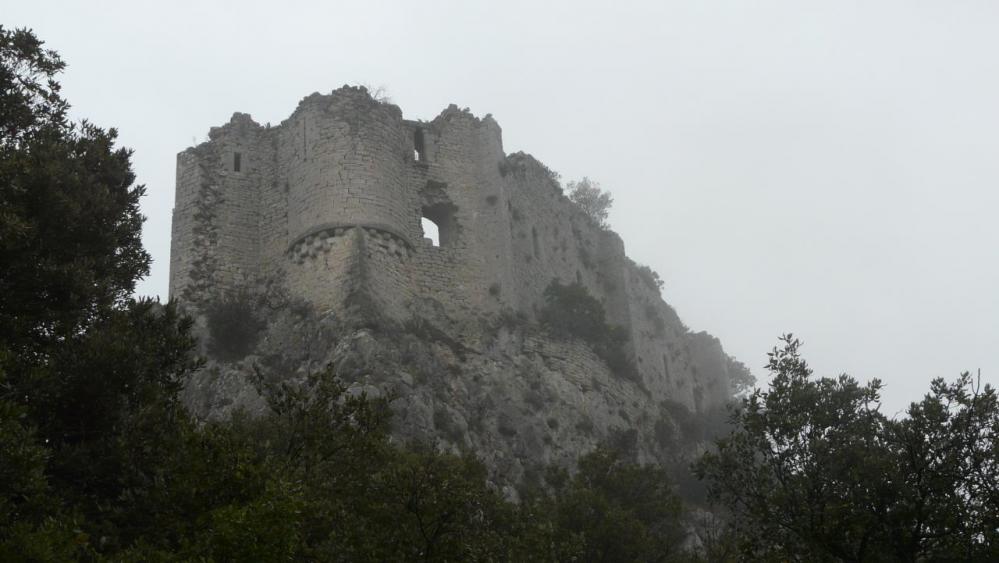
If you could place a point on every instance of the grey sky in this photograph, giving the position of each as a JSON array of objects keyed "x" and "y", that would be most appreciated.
[{"x": 826, "y": 168}]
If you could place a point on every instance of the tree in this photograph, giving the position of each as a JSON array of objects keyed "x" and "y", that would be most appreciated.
[
  {"x": 70, "y": 248},
  {"x": 29, "y": 94},
  {"x": 814, "y": 471},
  {"x": 86, "y": 374},
  {"x": 594, "y": 202},
  {"x": 613, "y": 510},
  {"x": 946, "y": 464}
]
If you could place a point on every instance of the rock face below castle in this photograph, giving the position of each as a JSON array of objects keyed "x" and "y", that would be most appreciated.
[{"x": 318, "y": 221}]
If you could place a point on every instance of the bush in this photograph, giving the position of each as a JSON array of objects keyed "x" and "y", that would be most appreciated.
[
  {"x": 233, "y": 326},
  {"x": 571, "y": 312}
]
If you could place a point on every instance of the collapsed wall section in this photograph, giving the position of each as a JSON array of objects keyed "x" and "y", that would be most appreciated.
[{"x": 459, "y": 189}]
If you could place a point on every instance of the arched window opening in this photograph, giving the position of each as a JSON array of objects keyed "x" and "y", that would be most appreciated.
[
  {"x": 439, "y": 224},
  {"x": 237, "y": 161},
  {"x": 431, "y": 231},
  {"x": 419, "y": 146}
]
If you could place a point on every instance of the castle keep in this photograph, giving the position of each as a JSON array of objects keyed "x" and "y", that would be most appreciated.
[{"x": 331, "y": 201}]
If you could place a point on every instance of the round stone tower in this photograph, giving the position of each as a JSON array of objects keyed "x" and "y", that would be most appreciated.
[{"x": 344, "y": 160}]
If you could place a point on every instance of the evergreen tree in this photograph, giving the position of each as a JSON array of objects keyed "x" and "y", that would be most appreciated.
[
  {"x": 82, "y": 367},
  {"x": 815, "y": 472}
]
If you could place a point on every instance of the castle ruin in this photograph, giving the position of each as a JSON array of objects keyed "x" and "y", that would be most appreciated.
[{"x": 330, "y": 202}]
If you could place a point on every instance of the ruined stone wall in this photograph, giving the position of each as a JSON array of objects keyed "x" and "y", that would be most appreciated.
[
  {"x": 456, "y": 179},
  {"x": 185, "y": 240},
  {"x": 330, "y": 203},
  {"x": 216, "y": 217}
]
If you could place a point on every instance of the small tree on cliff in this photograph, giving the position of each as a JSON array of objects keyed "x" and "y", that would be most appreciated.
[{"x": 595, "y": 202}]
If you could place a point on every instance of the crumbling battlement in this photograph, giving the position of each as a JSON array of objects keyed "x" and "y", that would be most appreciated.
[{"x": 345, "y": 180}]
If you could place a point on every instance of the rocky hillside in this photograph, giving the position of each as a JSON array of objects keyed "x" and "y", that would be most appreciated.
[{"x": 517, "y": 393}]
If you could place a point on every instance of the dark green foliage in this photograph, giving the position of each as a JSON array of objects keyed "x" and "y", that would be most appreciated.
[
  {"x": 571, "y": 312},
  {"x": 29, "y": 94},
  {"x": 234, "y": 326},
  {"x": 613, "y": 510},
  {"x": 70, "y": 229},
  {"x": 83, "y": 369},
  {"x": 23, "y": 484},
  {"x": 69, "y": 216},
  {"x": 815, "y": 472}
]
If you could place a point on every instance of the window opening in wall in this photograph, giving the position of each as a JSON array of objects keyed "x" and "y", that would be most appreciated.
[
  {"x": 431, "y": 231},
  {"x": 237, "y": 161},
  {"x": 537, "y": 246},
  {"x": 419, "y": 147},
  {"x": 579, "y": 277},
  {"x": 438, "y": 224}
]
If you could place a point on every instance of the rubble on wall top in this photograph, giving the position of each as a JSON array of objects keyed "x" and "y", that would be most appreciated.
[
  {"x": 353, "y": 96},
  {"x": 239, "y": 118},
  {"x": 452, "y": 112},
  {"x": 239, "y": 123},
  {"x": 352, "y": 93}
]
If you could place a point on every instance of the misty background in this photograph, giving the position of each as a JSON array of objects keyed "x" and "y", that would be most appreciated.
[{"x": 828, "y": 169}]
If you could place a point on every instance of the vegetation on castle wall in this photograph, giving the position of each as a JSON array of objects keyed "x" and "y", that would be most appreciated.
[
  {"x": 234, "y": 325},
  {"x": 571, "y": 312}
]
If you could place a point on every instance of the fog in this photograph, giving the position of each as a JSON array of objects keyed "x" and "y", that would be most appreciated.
[{"x": 822, "y": 168}]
